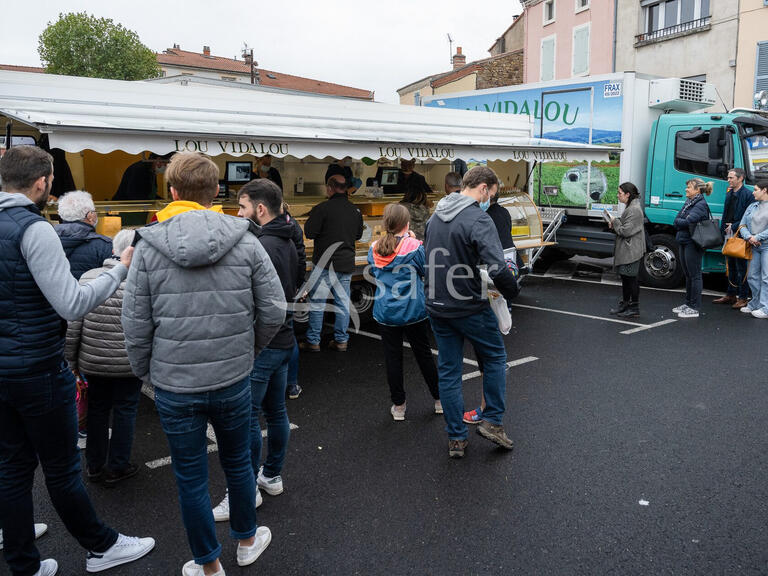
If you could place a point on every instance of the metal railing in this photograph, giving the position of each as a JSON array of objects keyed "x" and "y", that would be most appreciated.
[{"x": 672, "y": 30}]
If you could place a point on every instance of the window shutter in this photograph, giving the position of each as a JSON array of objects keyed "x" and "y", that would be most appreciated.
[
  {"x": 761, "y": 69},
  {"x": 581, "y": 51},
  {"x": 547, "y": 59}
]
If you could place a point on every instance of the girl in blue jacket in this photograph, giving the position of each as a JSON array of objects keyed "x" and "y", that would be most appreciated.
[
  {"x": 693, "y": 211},
  {"x": 397, "y": 264}
]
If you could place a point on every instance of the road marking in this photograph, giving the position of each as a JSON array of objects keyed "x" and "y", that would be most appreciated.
[
  {"x": 407, "y": 345},
  {"x": 649, "y": 326},
  {"x": 518, "y": 362}
]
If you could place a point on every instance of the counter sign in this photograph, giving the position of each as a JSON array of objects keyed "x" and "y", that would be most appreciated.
[{"x": 612, "y": 90}]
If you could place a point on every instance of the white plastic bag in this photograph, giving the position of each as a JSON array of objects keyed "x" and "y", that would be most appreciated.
[{"x": 498, "y": 304}]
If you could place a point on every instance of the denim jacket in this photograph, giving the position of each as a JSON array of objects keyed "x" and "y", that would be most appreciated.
[{"x": 747, "y": 221}]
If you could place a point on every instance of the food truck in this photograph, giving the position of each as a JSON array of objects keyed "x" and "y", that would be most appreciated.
[{"x": 105, "y": 126}]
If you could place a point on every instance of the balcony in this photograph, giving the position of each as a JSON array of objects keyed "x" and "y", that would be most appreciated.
[{"x": 683, "y": 29}]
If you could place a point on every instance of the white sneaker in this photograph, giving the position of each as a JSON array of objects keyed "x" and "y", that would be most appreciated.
[
  {"x": 247, "y": 555},
  {"x": 746, "y": 309},
  {"x": 438, "y": 407},
  {"x": 192, "y": 569},
  {"x": 272, "y": 486},
  {"x": 221, "y": 512},
  {"x": 679, "y": 309},
  {"x": 48, "y": 567},
  {"x": 126, "y": 549},
  {"x": 761, "y": 313},
  {"x": 40, "y": 529},
  {"x": 398, "y": 412},
  {"x": 688, "y": 313}
]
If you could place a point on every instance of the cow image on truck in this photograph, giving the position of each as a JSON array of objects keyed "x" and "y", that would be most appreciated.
[{"x": 661, "y": 140}]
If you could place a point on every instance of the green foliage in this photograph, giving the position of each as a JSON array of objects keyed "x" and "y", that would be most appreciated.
[{"x": 82, "y": 45}]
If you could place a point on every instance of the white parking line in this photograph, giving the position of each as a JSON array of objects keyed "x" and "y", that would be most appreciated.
[
  {"x": 518, "y": 362},
  {"x": 649, "y": 326},
  {"x": 638, "y": 327}
]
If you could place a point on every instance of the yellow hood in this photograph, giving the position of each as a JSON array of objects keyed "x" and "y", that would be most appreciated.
[{"x": 181, "y": 206}]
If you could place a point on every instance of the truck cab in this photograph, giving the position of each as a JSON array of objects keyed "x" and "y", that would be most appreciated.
[{"x": 686, "y": 146}]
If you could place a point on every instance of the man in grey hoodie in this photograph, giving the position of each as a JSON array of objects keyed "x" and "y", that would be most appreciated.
[
  {"x": 38, "y": 417},
  {"x": 201, "y": 298},
  {"x": 459, "y": 237}
]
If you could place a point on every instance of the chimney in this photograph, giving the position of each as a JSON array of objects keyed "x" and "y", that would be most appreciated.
[
  {"x": 459, "y": 59},
  {"x": 206, "y": 50},
  {"x": 176, "y": 46},
  {"x": 248, "y": 57}
]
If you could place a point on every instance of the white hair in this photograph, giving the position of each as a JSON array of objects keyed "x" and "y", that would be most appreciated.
[
  {"x": 74, "y": 206},
  {"x": 122, "y": 240}
]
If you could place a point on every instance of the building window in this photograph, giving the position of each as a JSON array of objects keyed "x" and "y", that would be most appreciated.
[
  {"x": 663, "y": 18},
  {"x": 417, "y": 98},
  {"x": 761, "y": 67},
  {"x": 549, "y": 11},
  {"x": 581, "y": 5},
  {"x": 229, "y": 78},
  {"x": 548, "y": 58},
  {"x": 580, "y": 60}
]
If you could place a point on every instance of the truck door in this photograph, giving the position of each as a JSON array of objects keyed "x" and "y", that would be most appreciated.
[{"x": 698, "y": 152}]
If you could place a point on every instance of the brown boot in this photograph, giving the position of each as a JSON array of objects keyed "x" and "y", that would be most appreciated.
[
  {"x": 338, "y": 346},
  {"x": 307, "y": 347},
  {"x": 495, "y": 433},
  {"x": 727, "y": 299},
  {"x": 740, "y": 303}
]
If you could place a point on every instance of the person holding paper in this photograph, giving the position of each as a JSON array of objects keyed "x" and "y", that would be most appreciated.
[{"x": 629, "y": 249}]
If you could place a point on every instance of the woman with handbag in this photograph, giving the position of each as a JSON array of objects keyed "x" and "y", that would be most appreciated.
[
  {"x": 694, "y": 210},
  {"x": 754, "y": 229},
  {"x": 629, "y": 250}
]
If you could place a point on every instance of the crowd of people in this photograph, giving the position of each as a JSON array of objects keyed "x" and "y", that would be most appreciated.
[{"x": 199, "y": 305}]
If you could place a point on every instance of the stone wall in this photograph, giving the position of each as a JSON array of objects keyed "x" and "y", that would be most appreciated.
[{"x": 503, "y": 70}]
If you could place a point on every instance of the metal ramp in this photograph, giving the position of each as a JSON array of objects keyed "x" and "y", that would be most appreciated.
[{"x": 556, "y": 218}]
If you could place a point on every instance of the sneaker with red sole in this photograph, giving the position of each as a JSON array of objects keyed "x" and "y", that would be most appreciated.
[{"x": 473, "y": 416}]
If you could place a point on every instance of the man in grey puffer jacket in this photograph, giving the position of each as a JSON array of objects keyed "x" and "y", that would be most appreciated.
[{"x": 201, "y": 296}]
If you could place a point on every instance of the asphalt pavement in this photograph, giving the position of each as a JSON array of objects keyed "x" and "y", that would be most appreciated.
[{"x": 640, "y": 448}]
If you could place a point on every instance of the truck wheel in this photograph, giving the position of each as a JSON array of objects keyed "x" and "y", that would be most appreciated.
[
  {"x": 361, "y": 295},
  {"x": 661, "y": 268}
]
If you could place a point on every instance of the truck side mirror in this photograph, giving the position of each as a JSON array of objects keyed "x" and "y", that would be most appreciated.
[{"x": 716, "y": 143}]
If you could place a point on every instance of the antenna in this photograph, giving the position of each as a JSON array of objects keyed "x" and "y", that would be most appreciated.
[{"x": 450, "y": 49}]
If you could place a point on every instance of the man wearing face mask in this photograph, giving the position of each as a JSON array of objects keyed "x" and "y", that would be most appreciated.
[
  {"x": 264, "y": 169},
  {"x": 139, "y": 181},
  {"x": 458, "y": 238},
  {"x": 344, "y": 168},
  {"x": 85, "y": 249}
]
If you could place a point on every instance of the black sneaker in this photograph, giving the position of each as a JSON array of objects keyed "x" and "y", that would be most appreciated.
[
  {"x": 456, "y": 448},
  {"x": 94, "y": 476},
  {"x": 112, "y": 477},
  {"x": 294, "y": 391},
  {"x": 495, "y": 433}
]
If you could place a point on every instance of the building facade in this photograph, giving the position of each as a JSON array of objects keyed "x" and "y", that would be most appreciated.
[
  {"x": 567, "y": 38},
  {"x": 751, "y": 52}
]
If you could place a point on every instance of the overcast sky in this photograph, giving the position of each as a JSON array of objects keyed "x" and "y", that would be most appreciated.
[{"x": 367, "y": 44}]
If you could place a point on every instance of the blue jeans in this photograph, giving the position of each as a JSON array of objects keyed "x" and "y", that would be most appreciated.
[
  {"x": 322, "y": 284},
  {"x": 38, "y": 421},
  {"x": 269, "y": 380},
  {"x": 690, "y": 260},
  {"x": 184, "y": 418},
  {"x": 758, "y": 278},
  {"x": 293, "y": 365},
  {"x": 737, "y": 272},
  {"x": 482, "y": 331},
  {"x": 120, "y": 396}
]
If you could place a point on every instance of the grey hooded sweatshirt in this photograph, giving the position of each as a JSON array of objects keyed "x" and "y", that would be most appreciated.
[
  {"x": 458, "y": 238},
  {"x": 201, "y": 297}
]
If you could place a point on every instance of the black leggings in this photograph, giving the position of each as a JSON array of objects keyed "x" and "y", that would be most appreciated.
[{"x": 630, "y": 287}]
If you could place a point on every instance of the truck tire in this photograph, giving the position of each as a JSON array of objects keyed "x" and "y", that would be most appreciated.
[
  {"x": 361, "y": 295},
  {"x": 661, "y": 268}
]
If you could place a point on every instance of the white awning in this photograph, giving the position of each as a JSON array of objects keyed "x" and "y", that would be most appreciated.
[{"x": 107, "y": 115}]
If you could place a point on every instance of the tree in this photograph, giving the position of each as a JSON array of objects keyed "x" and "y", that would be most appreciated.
[{"x": 82, "y": 45}]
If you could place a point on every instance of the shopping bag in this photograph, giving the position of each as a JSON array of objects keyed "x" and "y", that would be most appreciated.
[
  {"x": 501, "y": 310},
  {"x": 737, "y": 247},
  {"x": 706, "y": 234},
  {"x": 81, "y": 399}
]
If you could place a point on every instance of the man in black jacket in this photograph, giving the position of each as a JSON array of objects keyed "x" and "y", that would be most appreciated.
[
  {"x": 334, "y": 225},
  {"x": 261, "y": 201},
  {"x": 459, "y": 237}
]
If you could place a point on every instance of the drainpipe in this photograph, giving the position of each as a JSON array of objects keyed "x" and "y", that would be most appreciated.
[{"x": 615, "y": 22}]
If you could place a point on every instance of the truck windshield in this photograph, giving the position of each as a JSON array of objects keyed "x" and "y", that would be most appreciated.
[{"x": 755, "y": 139}]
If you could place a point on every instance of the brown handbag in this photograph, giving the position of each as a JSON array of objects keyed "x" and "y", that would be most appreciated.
[{"x": 737, "y": 247}]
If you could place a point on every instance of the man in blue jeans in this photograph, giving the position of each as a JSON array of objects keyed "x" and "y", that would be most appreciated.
[
  {"x": 261, "y": 201},
  {"x": 459, "y": 237},
  {"x": 334, "y": 225},
  {"x": 38, "y": 414},
  {"x": 200, "y": 298}
]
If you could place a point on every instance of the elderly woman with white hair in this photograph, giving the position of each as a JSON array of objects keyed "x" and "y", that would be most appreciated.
[
  {"x": 96, "y": 349},
  {"x": 85, "y": 249}
]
